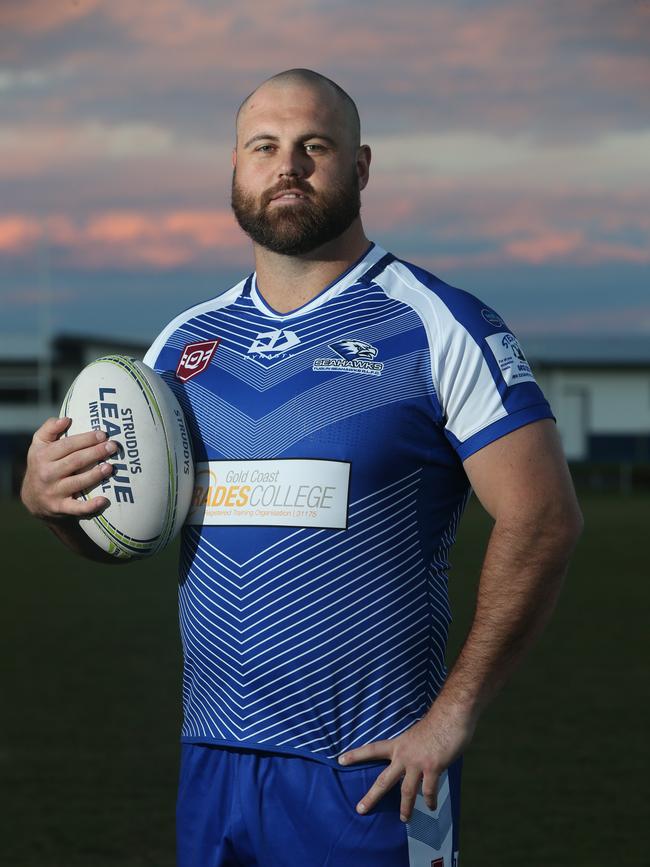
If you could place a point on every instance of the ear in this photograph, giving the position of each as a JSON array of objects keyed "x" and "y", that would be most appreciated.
[
  {"x": 234, "y": 157},
  {"x": 364, "y": 156}
]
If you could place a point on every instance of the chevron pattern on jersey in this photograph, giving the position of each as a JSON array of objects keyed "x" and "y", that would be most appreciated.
[
  {"x": 255, "y": 376},
  {"x": 314, "y": 641},
  {"x": 234, "y": 434},
  {"x": 357, "y": 308},
  {"x": 288, "y": 647},
  {"x": 365, "y": 313}
]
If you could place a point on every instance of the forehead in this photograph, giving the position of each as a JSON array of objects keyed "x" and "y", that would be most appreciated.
[{"x": 287, "y": 108}]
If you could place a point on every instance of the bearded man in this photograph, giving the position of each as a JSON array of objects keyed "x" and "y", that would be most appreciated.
[{"x": 348, "y": 403}]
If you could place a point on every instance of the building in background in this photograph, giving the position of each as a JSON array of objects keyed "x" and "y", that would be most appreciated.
[
  {"x": 599, "y": 389},
  {"x": 35, "y": 374}
]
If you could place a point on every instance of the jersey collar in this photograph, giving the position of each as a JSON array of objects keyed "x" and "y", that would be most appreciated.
[{"x": 353, "y": 274}]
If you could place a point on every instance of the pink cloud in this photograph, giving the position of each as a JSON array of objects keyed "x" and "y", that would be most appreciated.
[
  {"x": 492, "y": 225},
  {"x": 120, "y": 228},
  {"x": 443, "y": 262},
  {"x": 493, "y": 230},
  {"x": 544, "y": 248},
  {"x": 17, "y": 233},
  {"x": 131, "y": 238},
  {"x": 207, "y": 230},
  {"x": 60, "y": 230},
  {"x": 500, "y": 225},
  {"x": 497, "y": 61},
  {"x": 42, "y": 16},
  {"x": 171, "y": 239},
  {"x": 170, "y": 22}
]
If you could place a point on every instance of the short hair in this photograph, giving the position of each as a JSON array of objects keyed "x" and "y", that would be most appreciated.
[{"x": 315, "y": 79}]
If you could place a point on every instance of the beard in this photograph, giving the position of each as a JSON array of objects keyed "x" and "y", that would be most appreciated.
[{"x": 301, "y": 227}]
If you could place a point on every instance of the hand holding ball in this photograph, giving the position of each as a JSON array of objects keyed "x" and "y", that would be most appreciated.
[{"x": 150, "y": 489}]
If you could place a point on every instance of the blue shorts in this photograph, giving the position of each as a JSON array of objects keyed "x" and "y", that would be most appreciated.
[{"x": 248, "y": 808}]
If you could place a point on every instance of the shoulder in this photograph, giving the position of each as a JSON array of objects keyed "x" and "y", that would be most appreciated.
[
  {"x": 211, "y": 305},
  {"x": 443, "y": 308}
]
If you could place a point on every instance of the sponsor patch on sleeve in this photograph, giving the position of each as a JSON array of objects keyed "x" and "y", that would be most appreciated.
[
  {"x": 492, "y": 318},
  {"x": 510, "y": 358}
]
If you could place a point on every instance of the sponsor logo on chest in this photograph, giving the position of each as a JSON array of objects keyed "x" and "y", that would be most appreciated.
[
  {"x": 273, "y": 344},
  {"x": 284, "y": 492}
]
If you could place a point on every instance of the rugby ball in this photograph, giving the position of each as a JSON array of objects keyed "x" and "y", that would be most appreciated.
[{"x": 151, "y": 485}]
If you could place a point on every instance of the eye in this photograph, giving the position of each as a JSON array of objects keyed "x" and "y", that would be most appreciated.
[{"x": 314, "y": 148}]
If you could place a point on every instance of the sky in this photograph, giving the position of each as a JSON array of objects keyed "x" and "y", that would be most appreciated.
[{"x": 510, "y": 140}]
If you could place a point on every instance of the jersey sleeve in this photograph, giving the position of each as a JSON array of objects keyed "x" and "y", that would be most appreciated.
[
  {"x": 484, "y": 383},
  {"x": 484, "y": 387}
]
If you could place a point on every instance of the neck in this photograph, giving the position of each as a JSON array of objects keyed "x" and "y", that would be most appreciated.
[{"x": 289, "y": 282}]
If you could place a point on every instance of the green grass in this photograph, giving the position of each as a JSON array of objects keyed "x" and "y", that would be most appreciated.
[
  {"x": 90, "y": 668},
  {"x": 555, "y": 773}
]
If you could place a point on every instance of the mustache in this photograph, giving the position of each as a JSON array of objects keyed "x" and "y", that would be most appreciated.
[{"x": 302, "y": 186}]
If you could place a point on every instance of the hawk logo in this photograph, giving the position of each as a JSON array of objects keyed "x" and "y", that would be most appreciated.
[
  {"x": 273, "y": 343},
  {"x": 195, "y": 358},
  {"x": 354, "y": 356},
  {"x": 354, "y": 349}
]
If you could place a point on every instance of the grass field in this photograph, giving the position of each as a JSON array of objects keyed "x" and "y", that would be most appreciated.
[{"x": 90, "y": 708}]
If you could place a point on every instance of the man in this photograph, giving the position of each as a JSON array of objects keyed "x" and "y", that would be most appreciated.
[{"x": 344, "y": 404}]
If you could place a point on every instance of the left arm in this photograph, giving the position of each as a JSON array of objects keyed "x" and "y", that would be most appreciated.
[{"x": 523, "y": 482}]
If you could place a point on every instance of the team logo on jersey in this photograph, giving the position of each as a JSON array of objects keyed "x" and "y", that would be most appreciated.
[
  {"x": 354, "y": 356},
  {"x": 195, "y": 358},
  {"x": 271, "y": 344},
  {"x": 511, "y": 360},
  {"x": 438, "y": 862},
  {"x": 354, "y": 349}
]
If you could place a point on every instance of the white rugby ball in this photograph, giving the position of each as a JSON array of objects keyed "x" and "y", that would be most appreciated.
[{"x": 151, "y": 485}]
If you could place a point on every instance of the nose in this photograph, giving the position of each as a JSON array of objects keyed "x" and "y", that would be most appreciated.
[{"x": 293, "y": 164}]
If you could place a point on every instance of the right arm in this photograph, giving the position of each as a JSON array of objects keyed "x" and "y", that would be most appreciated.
[{"x": 58, "y": 468}]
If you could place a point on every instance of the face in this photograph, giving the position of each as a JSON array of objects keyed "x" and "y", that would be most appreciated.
[{"x": 297, "y": 170}]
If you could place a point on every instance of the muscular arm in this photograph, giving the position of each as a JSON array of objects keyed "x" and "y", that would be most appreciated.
[{"x": 523, "y": 482}]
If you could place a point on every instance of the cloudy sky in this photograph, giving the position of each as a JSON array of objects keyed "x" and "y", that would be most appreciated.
[{"x": 511, "y": 143}]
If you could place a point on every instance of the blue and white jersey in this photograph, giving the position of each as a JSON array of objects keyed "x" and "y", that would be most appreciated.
[{"x": 329, "y": 484}]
